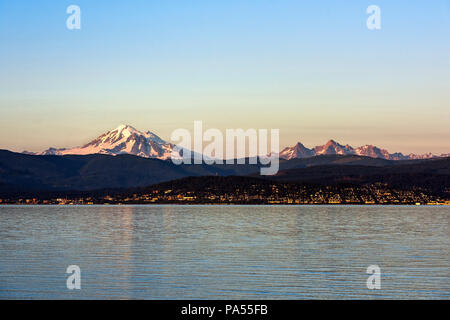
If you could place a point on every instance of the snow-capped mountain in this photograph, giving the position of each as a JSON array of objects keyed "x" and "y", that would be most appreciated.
[
  {"x": 123, "y": 140},
  {"x": 296, "y": 152},
  {"x": 332, "y": 147}
]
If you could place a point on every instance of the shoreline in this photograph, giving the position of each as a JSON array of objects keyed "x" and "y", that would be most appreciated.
[{"x": 223, "y": 204}]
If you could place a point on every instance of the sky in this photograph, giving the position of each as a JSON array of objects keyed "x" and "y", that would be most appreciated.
[{"x": 309, "y": 68}]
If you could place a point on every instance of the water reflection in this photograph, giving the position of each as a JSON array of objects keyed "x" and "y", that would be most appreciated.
[{"x": 232, "y": 252}]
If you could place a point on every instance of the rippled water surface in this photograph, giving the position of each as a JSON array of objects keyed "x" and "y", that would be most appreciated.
[{"x": 224, "y": 252}]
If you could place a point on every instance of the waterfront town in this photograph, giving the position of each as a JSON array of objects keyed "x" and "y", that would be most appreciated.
[{"x": 268, "y": 193}]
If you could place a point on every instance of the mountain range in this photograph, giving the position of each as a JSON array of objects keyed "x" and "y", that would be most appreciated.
[
  {"x": 125, "y": 139},
  {"x": 332, "y": 147}
]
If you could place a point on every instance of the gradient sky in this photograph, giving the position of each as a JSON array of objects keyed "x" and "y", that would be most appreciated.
[{"x": 310, "y": 68}]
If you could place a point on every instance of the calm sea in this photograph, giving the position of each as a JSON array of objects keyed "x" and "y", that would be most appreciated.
[{"x": 224, "y": 252}]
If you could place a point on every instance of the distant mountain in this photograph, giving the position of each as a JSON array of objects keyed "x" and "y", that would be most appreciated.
[
  {"x": 122, "y": 140},
  {"x": 332, "y": 147},
  {"x": 127, "y": 140},
  {"x": 298, "y": 151}
]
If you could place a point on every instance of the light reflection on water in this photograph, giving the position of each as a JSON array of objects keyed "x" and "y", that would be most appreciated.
[{"x": 224, "y": 252}]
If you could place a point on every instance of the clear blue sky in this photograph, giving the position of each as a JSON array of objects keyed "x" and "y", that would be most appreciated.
[{"x": 310, "y": 68}]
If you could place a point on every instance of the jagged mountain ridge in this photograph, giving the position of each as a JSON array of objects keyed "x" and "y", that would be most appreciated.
[{"x": 332, "y": 147}]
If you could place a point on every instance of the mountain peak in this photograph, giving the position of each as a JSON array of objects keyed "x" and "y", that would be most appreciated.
[
  {"x": 332, "y": 147},
  {"x": 126, "y": 130},
  {"x": 334, "y": 143},
  {"x": 297, "y": 151},
  {"x": 124, "y": 127},
  {"x": 124, "y": 139}
]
